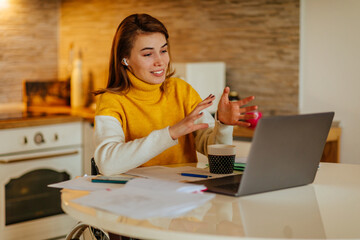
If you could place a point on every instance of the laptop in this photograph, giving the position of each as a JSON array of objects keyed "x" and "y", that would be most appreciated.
[{"x": 285, "y": 152}]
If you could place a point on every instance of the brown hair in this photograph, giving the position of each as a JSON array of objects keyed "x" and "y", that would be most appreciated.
[{"x": 126, "y": 33}]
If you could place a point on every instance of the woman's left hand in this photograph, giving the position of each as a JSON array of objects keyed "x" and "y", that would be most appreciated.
[{"x": 232, "y": 112}]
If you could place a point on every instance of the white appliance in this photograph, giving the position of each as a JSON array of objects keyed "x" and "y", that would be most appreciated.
[
  {"x": 30, "y": 158},
  {"x": 204, "y": 77}
]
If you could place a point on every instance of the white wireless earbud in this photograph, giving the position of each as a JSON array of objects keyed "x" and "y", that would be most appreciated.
[{"x": 125, "y": 62}]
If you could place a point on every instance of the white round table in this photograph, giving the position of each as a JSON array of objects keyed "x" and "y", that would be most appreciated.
[{"x": 328, "y": 208}]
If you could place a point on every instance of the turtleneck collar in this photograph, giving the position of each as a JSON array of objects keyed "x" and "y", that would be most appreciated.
[{"x": 142, "y": 90}]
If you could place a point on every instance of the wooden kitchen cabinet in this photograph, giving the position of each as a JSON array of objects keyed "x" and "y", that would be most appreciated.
[{"x": 331, "y": 150}]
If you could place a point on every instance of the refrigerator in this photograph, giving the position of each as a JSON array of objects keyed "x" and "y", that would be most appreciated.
[{"x": 205, "y": 77}]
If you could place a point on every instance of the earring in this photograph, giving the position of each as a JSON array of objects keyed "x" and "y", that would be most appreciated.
[{"x": 125, "y": 62}]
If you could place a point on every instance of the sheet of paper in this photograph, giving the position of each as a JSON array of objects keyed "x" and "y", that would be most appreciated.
[
  {"x": 165, "y": 185},
  {"x": 142, "y": 203},
  {"x": 173, "y": 174},
  {"x": 85, "y": 184}
]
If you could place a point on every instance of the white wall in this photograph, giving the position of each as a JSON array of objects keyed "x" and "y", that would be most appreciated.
[{"x": 330, "y": 66}]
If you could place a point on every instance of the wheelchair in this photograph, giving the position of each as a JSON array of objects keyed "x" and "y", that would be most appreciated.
[{"x": 84, "y": 231}]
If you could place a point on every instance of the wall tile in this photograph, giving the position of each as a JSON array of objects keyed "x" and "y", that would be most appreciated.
[
  {"x": 28, "y": 45},
  {"x": 258, "y": 40}
]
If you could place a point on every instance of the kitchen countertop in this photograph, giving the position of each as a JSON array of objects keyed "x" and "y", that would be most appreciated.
[
  {"x": 38, "y": 121},
  {"x": 14, "y": 118}
]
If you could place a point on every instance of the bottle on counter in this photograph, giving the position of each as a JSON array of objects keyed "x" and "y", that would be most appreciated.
[
  {"x": 77, "y": 96},
  {"x": 234, "y": 96}
]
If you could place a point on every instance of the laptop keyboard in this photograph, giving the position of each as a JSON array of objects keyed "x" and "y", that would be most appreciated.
[
  {"x": 229, "y": 182},
  {"x": 232, "y": 186}
]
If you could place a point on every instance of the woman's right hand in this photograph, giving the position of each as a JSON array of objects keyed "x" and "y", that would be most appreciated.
[{"x": 187, "y": 125}]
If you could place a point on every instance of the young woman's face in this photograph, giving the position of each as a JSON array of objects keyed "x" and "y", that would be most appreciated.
[{"x": 149, "y": 58}]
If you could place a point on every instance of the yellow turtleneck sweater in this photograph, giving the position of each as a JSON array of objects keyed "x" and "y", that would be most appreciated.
[{"x": 146, "y": 108}]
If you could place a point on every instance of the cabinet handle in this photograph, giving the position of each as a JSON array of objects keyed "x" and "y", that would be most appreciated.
[{"x": 21, "y": 158}]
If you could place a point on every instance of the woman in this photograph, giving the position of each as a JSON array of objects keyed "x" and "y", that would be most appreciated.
[{"x": 144, "y": 116}]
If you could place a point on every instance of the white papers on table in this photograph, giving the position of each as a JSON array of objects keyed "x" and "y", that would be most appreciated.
[
  {"x": 84, "y": 183},
  {"x": 163, "y": 185},
  {"x": 137, "y": 200},
  {"x": 160, "y": 195},
  {"x": 173, "y": 174}
]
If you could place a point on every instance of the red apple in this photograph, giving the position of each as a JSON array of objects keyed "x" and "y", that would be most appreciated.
[{"x": 255, "y": 120}]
